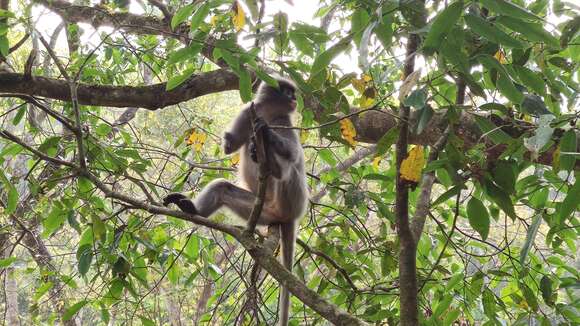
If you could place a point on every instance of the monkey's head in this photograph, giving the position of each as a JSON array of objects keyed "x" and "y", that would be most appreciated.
[{"x": 282, "y": 98}]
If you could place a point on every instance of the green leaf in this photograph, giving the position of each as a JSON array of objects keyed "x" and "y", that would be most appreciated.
[
  {"x": 529, "y": 296},
  {"x": 245, "y": 85},
  {"x": 146, "y": 321},
  {"x": 84, "y": 258},
  {"x": 508, "y": 89},
  {"x": 386, "y": 141},
  {"x": 199, "y": 16},
  {"x": 425, "y": 115},
  {"x": 478, "y": 217},
  {"x": 179, "y": 79},
  {"x": 501, "y": 198},
  {"x": 447, "y": 195},
  {"x": 19, "y": 115},
  {"x": 489, "y": 303},
  {"x": 504, "y": 82},
  {"x": 441, "y": 26},
  {"x": 70, "y": 312},
  {"x": 533, "y": 105},
  {"x": 509, "y": 8},
  {"x": 571, "y": 202},
  {"x": 99, "y": 228},
  {"x": 359, "y": 21},
  {"x": 416, "y": 99},
  {"x": 530, "y": 237},
  {"x": 327, "y": 156},
  {"x": 103, "y": 129},
  {"x": 452, "y": 49},
  {"x": 116, "y": 288},
  {"x": 12, "y": 201},
  {"x": 546, "y": 289},
  {"x": 490, "y": 32},
  {"x": 324, "y": 59},
  {"x": 504, "y": 175},
  {"x": 7, "y": 262},
  {"x": 41, "y": 290},
  {"x": 487, "y": 127},
  {"x": 532, "y": 31},
  {"x": 568, "y": 145},
  {"x": 384, "y": 31},
  {"x": 53, "y": 221},
  {"x": 184, "y": 53},
  {"x": 530, "y": 79},
  {"x": 4, "y": 46},
  {"x": 181, "y": 14}
]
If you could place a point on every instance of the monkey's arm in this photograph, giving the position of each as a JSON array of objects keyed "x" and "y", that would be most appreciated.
[
  {"x": 285, "y": 145},
  {"x": 239, "y": 134}
]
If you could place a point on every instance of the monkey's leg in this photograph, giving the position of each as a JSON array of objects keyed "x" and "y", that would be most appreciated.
[{"x": 221, "y": 193}]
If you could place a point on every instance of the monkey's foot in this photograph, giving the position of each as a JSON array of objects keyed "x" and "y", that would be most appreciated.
[{"x": 181, "y": 201}]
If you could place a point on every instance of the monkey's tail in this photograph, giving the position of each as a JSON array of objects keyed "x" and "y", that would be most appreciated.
[{"x": 288, "y": 242}]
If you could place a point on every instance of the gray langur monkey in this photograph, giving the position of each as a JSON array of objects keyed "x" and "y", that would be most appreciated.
[{"x": 287, "y": 193}]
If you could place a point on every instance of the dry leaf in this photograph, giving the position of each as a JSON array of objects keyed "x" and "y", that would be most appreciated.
[
  {"x": 413, "y": 165},
  {"x": 376, "y": 161},
  {"x": 408, "y": 84},
  {"x": 347, "y": 131},
  {"x": 196, "y": 140},
  {"x": 235, "y": 159},
  {"x": 239, "y": 17},
  {"x": 500, "y": 56}
]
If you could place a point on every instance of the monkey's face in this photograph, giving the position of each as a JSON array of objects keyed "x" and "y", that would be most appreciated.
[{"x": 288, "y": 94}]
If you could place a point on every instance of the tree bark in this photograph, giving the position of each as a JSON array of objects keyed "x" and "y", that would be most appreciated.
[
  {"x": 409, "y": 315},
  {"x": 10, "y": 286}
]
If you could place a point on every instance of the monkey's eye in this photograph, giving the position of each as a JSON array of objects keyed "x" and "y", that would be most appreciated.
[{"x": 288, "y": 93}]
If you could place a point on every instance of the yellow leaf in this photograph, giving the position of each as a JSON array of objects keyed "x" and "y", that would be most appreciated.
[
  {"x": 358, "y": 84},
  {"x": 239, "y": 18},
  {"x": 413, "y": 165},
  {"x": 367, "y": 78},
  {"x": 366, "y": 102},
  {"x": 213, "y": 20},
  {"x": 196, "y": 140},
  {"x": 304, "y": 134},
  {"x": 500, "y": 56},
  {"x": 235, "y": 159},
  {"x": 347, "y": 131},
  {"x": 376, "y": 161}
]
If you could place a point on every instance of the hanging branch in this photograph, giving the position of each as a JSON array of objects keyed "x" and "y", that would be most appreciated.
[{"x": 263, "y": 172}]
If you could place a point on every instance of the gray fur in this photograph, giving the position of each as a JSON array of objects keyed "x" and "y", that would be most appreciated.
[{"x": 287, "y": 194}]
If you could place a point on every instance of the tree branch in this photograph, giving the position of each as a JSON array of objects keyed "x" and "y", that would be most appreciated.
[{"x": 149, "y": 97}]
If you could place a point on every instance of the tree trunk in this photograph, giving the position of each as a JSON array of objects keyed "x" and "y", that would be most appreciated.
[{"x": 10, "y": 287}]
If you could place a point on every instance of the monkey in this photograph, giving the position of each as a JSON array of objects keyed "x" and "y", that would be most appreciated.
[{"x": 286, "y": 196}]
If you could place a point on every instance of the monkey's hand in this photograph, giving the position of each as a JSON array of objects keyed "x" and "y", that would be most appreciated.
[
  {"x": 252, "y": 150},
  {"x": 260, "y": 125},
  {"x": 228, "y": 143},
  {"x": 181, "y": 201}
]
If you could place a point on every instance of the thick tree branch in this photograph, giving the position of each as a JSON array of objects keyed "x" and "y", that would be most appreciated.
[
  {"x": 149, "y": 97},
  {"x": 130, "y": 23}
]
